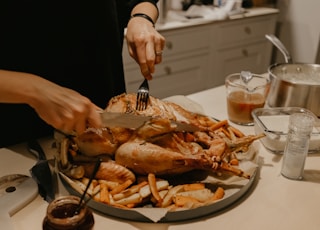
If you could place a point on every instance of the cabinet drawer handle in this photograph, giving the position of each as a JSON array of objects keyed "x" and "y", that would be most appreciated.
[
  {"x": 167, "y": 70},
  {"x": 245, "y": 53},
  {"x": 169, "y": 45},
  {"x": 247, "y": 30}
]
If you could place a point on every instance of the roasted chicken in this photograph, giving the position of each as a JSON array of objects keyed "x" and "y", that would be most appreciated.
[{"x": 157, "y": 147}]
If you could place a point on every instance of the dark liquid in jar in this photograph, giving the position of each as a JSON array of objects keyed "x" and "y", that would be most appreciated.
[
  {"x": 240, "y": 105},
  {"x": 64, "y": 212},
  {"x": 67, "y": 210}
]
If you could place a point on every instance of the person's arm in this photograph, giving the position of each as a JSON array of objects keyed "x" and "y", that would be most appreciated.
[
  {"x": 145, "y": 44},
  {"x": 146, "y": 8},
  {"x": 60, "y": 107}
]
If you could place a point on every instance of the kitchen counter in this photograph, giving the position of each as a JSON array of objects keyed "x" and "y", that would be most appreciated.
[
  {"x": 176, "y": 19},
  {"x": 273, "y": 202}
]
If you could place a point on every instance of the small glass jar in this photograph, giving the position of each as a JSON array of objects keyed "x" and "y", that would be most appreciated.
[
  {"x": 297, "y": 146},
  {"x": 62, "y": 215}
]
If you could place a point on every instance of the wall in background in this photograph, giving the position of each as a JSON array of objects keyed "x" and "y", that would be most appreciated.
[{"x": 299, "y": 29}]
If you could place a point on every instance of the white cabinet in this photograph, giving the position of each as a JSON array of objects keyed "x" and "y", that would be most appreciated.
[
  {"x": 241, "y": 45},
  {"x": 249, "y": 57},
  {"x": 199, "y": 57},
  {"x": 184, "y": 68}
]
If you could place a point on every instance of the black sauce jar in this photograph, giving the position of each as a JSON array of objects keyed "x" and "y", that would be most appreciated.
[{"x": 62, "y": 215}]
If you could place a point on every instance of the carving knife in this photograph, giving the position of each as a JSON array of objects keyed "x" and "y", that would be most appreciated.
[{"x": 133, "y": 121}]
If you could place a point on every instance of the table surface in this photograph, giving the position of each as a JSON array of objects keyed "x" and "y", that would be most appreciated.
[{"x": 273, "y": 202}]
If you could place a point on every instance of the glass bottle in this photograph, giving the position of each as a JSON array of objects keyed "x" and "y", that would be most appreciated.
[
  {"x": 61, "y": 215},
  {"x": 297, "y": 145}
]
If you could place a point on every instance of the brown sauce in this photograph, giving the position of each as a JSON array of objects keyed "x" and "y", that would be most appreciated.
[
  {"x": 67, "y": 210},
  {"x": 64, "y": 212},
  {"x": 240, "y": 105}
]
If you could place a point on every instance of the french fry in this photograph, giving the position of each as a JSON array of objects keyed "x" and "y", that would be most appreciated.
[
  {"x": 167, "y": 200},
  {"x": 120, "y": 206},
  {"x": 161, "y": 185},
  {"x": 85, "y": 180},
  {"x": 162, "y": 194},
  {"x": 133, "y": 199},
  {"x": 194, "y": 186},
  {"x": 153, "y": 187},
  {"x": 96, "y": 197},
  {"x": 65, "y": 144},
  {"x": 181, "y": 200},
  {"x": 232, "y": 134},
  {"x": 218, "y": 125},
  {"x": 112, "y": 202},
  {"x": 145, "y": 191},
  {"x": 236, "y": 131},
  {"x": 218, "y": 194},
  {"x": 131, "y": 205},
  {"x": 104, "y": 194},
  {"x": 92, "y": 188},
  {"x": 121, "y": 187},
  {"x": 111, "y": 184},
  {"x": 202, "y": 195},
  {"x": 81, "y": 185},
  {"x": 96, "y": 189},
  {"x": 94, "y": 183},
  {"x": 129, "y": 191},
  {"x": 226, "y": 132},
  {"x": 172, "y": 207}
]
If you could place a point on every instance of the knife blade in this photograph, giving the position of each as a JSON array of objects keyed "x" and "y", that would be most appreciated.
[
  {"x": 133, "y": 121},
  {"x": 41, "y": 172}
]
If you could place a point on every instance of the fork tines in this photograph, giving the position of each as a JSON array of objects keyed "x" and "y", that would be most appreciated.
[{"x": 143, "y": 96}]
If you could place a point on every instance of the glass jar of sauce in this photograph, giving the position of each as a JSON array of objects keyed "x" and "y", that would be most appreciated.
[
  {"x": 62, "y": 214},
  {"x": 244, "y": 97}
]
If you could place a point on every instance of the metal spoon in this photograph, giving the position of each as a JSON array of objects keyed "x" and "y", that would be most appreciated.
[{"x": 246, "y": 76}]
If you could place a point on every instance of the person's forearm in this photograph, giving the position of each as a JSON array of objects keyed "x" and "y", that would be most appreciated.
[
  {"x": 17, "y": 87},
  {"x": 146, "y": 8}
]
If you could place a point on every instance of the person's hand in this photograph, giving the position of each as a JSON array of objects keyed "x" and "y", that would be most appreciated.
[
  {"x": 145, "y": 45},
  {"x": 64, "y": 109}
]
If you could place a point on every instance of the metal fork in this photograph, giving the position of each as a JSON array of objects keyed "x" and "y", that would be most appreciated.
[{"x": 143, "y": 96}]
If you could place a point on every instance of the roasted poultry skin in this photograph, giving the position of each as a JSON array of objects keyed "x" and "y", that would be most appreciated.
[{"x": 157, "y": 147}]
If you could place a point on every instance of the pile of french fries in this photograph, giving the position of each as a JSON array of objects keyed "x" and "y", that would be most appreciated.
[{"x": 151, "y": 192}]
